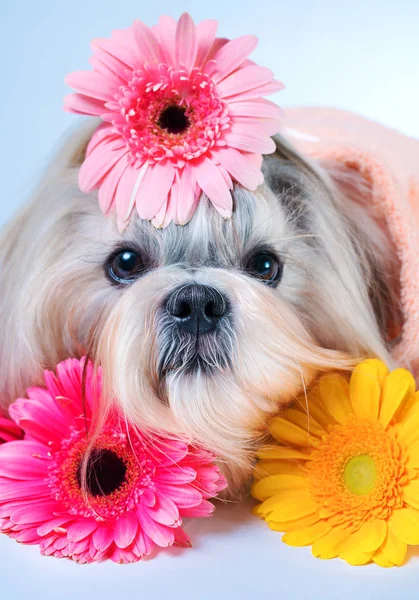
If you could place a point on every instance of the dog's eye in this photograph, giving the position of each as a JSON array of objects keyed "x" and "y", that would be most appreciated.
[
  {"x": 124, "y": 266},
  {"x": 265, "y": 266}
]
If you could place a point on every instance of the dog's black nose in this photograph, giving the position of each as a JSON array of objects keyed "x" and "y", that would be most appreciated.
[{"x": 197, "y": 308}]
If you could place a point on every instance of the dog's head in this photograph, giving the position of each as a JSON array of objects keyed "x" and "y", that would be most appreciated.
[{"x": 204, "y": 329}]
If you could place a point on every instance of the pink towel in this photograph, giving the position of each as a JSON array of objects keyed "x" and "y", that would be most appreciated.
[{"x": 390, "y": 161}]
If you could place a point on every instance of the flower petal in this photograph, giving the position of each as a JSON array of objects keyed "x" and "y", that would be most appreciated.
[
  {"x": 399, "y": 385},
  {"x": 154, "y": 188},
  {"x": 393, "y": 548},
  {"x": 186, "y": 202},
  {"x": 308, "y": 535},
  {"x": 147, "y": 43},
  {"x": 284, "y": 431},
  {"x": 93, "y": 84},
  {"x": 261, "y": 108},
  {"x": 83, "y": 105},
  {"x": 334, "y": 392},
  {"x": 186, "y": 42},
  {"x": 356, "y": 558},
  {"x": 328, "y": 545},
  {"x": 125, "y": 529},
  {"x": 236, "y": 163},
  {"x": 274, "y": 484},
  {"x": 213, "y": 185},
  {"x": 404, "y": 525},
  {"x": 303, "y": 420},
  {"x": 282, "y": 507},
  {"x": 411, "y": 493},
  {"x": 407, "y": 430},
  {"x": 81, "y": 529},
  {"x": 98, "y": 163},
  {"x": 231, "y": 56},
  {"x": 367, "y": 539},
  {"x": 243, "y": 80},
  {"x": 295, "y": 524},
  {"x": 280, "y": 452},
  {"x": 249, "y": 140},
  {"x": 365, "y": 391},
  {"x": 205, "y": 32},
  {"x": 159, "y": 534},
  {"x": 264, "y": 468}
]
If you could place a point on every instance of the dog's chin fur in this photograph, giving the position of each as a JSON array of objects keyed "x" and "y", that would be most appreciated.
[{"x": 326, "y": 312}]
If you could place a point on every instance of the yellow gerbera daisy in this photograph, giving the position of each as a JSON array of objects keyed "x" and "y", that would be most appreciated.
[{"x": 344, "y": 477}]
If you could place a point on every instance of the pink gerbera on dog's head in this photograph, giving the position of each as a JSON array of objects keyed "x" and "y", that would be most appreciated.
[
  {"x": 137, "y": 488},
  {"x": 183, "y": 114}
]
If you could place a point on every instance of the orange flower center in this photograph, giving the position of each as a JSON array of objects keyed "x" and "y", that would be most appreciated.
[{"x": 357, "y": 473}]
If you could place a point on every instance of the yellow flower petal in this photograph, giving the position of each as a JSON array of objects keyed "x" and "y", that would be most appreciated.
[
  {"x": 408, "y": 403},
  {"x": 264, "y": 468},
  {"x": 404, "y": 524},
  {"x": 365, "y": 390},
  {"x": 281, "y": 452},
  {"x": 303, "y": 420},
  {"x": 312, "y": 405},
  {"x": 393, "y": 548},
  {"x": 295, "y": 524},
  {"x": 380, "y": 368},
  {"x": 328, "y": 545},
  {"x": 356, "y": 558},
  {"x": 287, "y": 507},
  {"x": 308, "y": 535},
  {"x": 334, "y": 392},
  {"x": 284, "y": 431},
  {"x": 270, "y": 486},
  {"x": 381, "y": 560},
  {"x": 398, "y": 386},
  {"x": 411, "y": 493},
  {"x": 408, "y": 428},
  {"x": 413, "y": 457},
  {"x": 367, "y": 539}
]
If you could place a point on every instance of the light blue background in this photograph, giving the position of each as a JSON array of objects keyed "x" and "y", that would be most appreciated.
[{"x": 359, "y": 55}]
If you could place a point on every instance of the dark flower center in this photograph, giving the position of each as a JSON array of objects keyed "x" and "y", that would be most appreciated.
[
  {"x": 174, "y": 119},
  {"x": 105, "y": 473}
]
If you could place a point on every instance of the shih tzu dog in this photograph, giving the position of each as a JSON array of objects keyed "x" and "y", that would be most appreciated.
[{"x": 206, "y": 329}]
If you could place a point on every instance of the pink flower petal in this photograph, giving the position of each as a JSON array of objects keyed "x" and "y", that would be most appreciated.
[
  {"x": 83, "y": 105},
  {"x": 250, "y": 141},
  {"x": 231, "y": 56},
  {"x": 186, "y": 204},
  {"x": 165, "y": 32},
  {"x": 36, "y": 513},
  {"x": 17, "y": 490},
  {"x": 204, "y": 509},
  {"x": 79, "y": 530},
  {"x": 164, "y": 512},
  {"x": 103, "y": 537},
  {"x": 205, "y": 32},
  {"x": 49, "y": 526},
  {"x": 159, "y": 534},
  {"x": 181, "y": 539},
  {"x": 120, "y": 51},
  {"x": 97, "y": 164},
  {"x": 241, "y": 169},
  {"x": 268, "y": 126},
  {"x": 186, "y": 42},
  {"x": 243, "y": 80},
  {"x": 143, "y": 545},
  {"x": 147, "y": 43},
  {"x": 262, "y": 90},
  {"x": 259, "y": 107},
  {"x": 23, "y": 468},
  {"x": 183, "y": 496},
  {"x": 125, "y": 530},
  {"x": 126, "y": 193},
  {"x": 107, "y": 190},
  {"x": 112, "y": 64},
  {"x": 176, "y": 475},
  {"x": 154, "y": 189},
  {"x": 213, "y": 185},
  {"x": 93, "y": 84}
]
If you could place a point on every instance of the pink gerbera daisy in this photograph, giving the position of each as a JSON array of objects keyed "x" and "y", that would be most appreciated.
[
  {"x": 137, "y": 489},
  {"x": 183, "y": 114}
]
